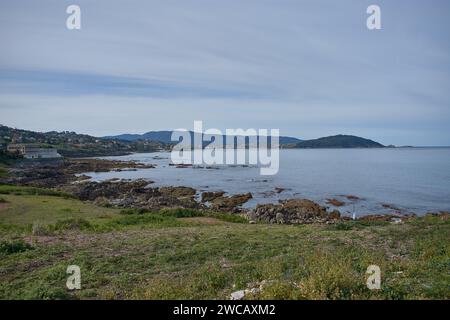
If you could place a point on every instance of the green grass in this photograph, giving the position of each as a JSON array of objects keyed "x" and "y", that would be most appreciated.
[
  {"x": 18, "y": 190},
  {"x": 30, "y": 209},
  {"x": 188, "y": 254},
  {"x": 355, "y": 225},
  {"x": 187, "y": 213}
]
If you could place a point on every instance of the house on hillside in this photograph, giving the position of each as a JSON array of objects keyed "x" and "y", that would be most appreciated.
[{"x": 29, "y": 151}]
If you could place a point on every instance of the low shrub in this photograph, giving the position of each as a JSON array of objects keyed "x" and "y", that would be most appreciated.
[
  {"x": 133, "y": 211},
  {"x": 71, "y": 224},
  {"x": 234, "y": 218},
  {"x": 341, "y": 226},
  {"x": 16, "y": 246},
  {"x": 356, "y": 224},
  {"x": 181, "y": 213},
  {"x": 184, "y": 213},
  {"x": 154, "y": 219},
  {"x": 38, "y": 229}
]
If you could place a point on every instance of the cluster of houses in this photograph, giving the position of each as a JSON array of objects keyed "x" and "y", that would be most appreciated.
[{"x": 30, "y": 151}]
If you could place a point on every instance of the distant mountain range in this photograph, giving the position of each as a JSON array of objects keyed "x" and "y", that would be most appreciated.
[
  {"x": 338, "y": 141},
  {"x": 71, "y": 144},
  {"x": 165, "y": 137}
]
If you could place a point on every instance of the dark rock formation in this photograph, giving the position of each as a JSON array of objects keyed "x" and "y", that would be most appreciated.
[
  {"x": 230, "y": 204},
  {"x": 279, "y": 189},
  {"x": 134, "y": 194},
  {"x": 210, "y": 196},
  {"x": 59, "y": 172},
  {"x": 293, "y": 212},
  {"x": 335, "y": 202},
  {"x": 92, "y": 190}
]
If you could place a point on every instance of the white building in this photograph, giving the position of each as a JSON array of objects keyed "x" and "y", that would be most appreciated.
[{"x": 33, "y": 152}]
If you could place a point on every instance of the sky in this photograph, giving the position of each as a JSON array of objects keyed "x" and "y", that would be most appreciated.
[{"x": 310, "y": 68}]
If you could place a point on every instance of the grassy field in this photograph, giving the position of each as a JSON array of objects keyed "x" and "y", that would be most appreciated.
[{"x": 184, "y": 254}]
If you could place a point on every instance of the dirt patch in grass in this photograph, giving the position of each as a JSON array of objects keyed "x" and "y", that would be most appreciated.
[{"x": 3, "y": 206}]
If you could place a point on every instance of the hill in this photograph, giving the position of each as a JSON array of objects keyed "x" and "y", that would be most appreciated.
[
  {"x": 160, "y": 136},
  {"x": 338, "y": 141}
]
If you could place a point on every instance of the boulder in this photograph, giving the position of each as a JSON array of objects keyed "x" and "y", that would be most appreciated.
[
  {"x": 210, "y": 196},
  {"x": 230, "y": 204},
  {"x": 177, "y": 192},
  {"x": 238, "y": 295}
]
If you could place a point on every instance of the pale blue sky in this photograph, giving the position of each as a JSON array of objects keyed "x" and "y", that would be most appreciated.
[{"x": 310, "y": 68}]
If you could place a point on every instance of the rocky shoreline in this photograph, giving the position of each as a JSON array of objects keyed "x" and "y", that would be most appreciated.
[
  {"x": 139, "y": 194},
  {"x": 68, "y": 175},
  {"x": 58, "y": 173}
]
